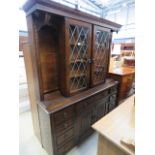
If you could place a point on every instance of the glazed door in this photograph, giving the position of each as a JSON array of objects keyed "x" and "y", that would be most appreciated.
[
  {"x": 100, "y": 54},
  {"x": 78, "y": 46}
]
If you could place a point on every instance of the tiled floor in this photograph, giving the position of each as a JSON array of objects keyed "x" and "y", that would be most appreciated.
[{"x": 29, "y": 144}]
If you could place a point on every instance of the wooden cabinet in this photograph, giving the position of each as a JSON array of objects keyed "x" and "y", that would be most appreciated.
[
  {"x": 68, "y": 57},
  {"x": 126, "y": 77},
  {"x": 71, "y": 118}
]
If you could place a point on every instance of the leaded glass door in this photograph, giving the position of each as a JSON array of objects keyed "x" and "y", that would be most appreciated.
[
  {"x": 100, "y": 54},
  {"x": 78, "y": 48}
]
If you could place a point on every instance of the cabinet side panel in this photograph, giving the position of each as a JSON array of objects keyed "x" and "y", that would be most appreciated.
[
  {"x": 63, "y": 59},
  {"x": 31, "y": 89},
  {"x": 34, "y": 56},
  {"x": 45, "y": 128}
]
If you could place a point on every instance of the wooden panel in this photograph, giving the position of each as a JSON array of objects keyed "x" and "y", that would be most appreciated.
[
  {"x": 61, "y": 140},
  {"x": 45, "y": 128},
  {"x": 22, "y": 39},
  {"x": 63, "y": 127},
  {"x": 48, "y": 49},
  {"x": 64, "y": 115},
  {"x": 32, "y": 76},
  {"x": 62, "y": 59},
  {"x": 107, "y": 148},
  {"x": 31, "y": 88},
  {"x": 69, "y": 144}
]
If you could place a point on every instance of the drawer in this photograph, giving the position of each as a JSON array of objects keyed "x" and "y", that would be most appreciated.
[
  {"x": 65, "y": 148},
  {"x": 101, "y": 95},
  {"x": 63, "y": 115},
  {"x": 64, "y": 127},
  {"x": 61, "y": 140},
  {"x": 91, "y": 101}
]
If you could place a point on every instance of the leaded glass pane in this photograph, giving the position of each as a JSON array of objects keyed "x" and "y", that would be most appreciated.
[
  {"x": 100, "y": 55},
  {"x": 78, "y": 57}
]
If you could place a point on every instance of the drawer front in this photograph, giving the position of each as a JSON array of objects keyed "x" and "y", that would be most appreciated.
[
  {"x": 64, "y": 127},
  {"x": 64, "y": 115},
  {"x": 66, "y": 147},
  {"x": 101, "y": 95},
  {"x": 88, "y": 103},
  {"x": 61, "y": 140}
]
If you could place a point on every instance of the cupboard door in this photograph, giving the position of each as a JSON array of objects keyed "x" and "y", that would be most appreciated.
[
  {"x": 78, "y": 42},
  {"x": 100, "y": 54}
]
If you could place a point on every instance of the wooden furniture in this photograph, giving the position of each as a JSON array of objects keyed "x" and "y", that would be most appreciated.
[
  {"x": 128, "y": 46},
  {"x": 113, "y": 127},
  {"x": 22, "y": 39},
  {"x": 125, "y": 76},
  {"x": 67, "y": 59}
]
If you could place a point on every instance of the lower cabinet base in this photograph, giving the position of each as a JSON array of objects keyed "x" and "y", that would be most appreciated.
[{"x": 61, "y": 130}]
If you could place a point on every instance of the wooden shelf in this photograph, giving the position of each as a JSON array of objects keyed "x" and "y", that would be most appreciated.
[{"x": 77, "y": 90}]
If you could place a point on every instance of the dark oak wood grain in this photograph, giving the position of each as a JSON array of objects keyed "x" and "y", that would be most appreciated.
[{"x": 65, "y": 97}]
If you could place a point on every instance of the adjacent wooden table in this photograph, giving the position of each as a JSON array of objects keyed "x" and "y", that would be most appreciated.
[
  {"x": 113, "y": 127},
  {"x": 125, "y": 76}
]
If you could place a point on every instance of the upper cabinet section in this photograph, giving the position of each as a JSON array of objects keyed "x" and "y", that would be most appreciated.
[
  {"x": 69, "y": 49},
  {"x": 86, "y": 53},
  {"x": 100, "y": 54}
]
